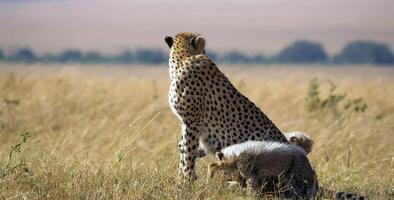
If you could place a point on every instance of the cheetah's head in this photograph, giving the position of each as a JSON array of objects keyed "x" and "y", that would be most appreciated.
[{"x": 184, "y": 45}]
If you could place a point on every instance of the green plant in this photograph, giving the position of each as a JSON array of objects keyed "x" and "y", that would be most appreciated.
[
  {"x": 313, "y": 99},
  {"x": 334, "y": 102},
  {"x": 358, "y": 105},
  {"x": 17, "y": 149}
]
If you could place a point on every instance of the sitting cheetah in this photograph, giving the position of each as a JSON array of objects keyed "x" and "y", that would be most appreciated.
[
  {"x": 257, "y": 161},
  {"x": 209, "y": 107},
  {"x": 300, "y": 139}
]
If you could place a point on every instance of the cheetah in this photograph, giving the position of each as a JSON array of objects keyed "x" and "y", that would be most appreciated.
[
  {"x": 300, "y": 139},
  {"x": 255, "y": 161},
  {"x": 297, "y": 138},
  {"x": 211, "y": 110}
]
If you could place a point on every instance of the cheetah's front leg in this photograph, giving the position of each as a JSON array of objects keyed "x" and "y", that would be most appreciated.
[{"x": 189, "y": 150}]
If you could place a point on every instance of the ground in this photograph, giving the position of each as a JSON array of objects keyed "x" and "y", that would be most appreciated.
[{"x": 106, "y": 132}]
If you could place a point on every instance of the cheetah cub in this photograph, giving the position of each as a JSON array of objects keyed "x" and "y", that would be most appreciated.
[
  {"x": 297, "y": 138},
  {"x": 300, "y": 139},
  {"x": 256, "y": 161}
]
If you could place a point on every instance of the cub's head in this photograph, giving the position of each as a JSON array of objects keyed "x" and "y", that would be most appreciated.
[
  {"x": 300, "y": 139},
  {"x": 227, "y": 165},
  {"x": 184, "y": 45}
]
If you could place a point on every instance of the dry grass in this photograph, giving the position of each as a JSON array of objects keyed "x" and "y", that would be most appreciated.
[{"x": 107, "y": 133}]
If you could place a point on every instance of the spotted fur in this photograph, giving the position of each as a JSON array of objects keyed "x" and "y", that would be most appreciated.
[
  {"x": 348, "y": 196},
  {"x": 212, "y": 111}
]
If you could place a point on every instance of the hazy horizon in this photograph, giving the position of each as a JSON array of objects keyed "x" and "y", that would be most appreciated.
[{"x": 249, "y": 26}]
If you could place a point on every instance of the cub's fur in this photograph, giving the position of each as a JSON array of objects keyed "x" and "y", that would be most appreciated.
[
  {"x": 300, "y": 139},
  {"x": 256, "y": 161}
]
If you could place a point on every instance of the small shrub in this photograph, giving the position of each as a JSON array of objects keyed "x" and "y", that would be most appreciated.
[
  {"x": 313, "y": 99},
  {"x": 20, "y": 164},
  {"x": 358, "y": 105},
  {"x": 336, "y": 103}
]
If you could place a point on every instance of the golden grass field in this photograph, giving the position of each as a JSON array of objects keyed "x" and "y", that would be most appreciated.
[{"x": 106, "y": 132}]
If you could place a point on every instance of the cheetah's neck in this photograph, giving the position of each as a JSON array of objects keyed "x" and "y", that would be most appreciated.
[{"x": 174, "y": 64}]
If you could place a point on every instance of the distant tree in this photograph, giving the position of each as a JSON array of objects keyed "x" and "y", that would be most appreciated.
[
  {"x": 303, "y": 52},
  {"x": 93, "y": 57},
  {"x": 150, "y": 56},
  {"x": 234, "y": 57},
  {"x": 365, "y": 52},
  {"x": 49, "y": 58},
  {"x": 258, "y": 58},
  {"x": 23, "y": 55},
  {"x": 2, "y": 56},
  {"x": 127, "y": 57},
  {"x": 212, "y": 55},
  {"x": 70, "y": 56}
]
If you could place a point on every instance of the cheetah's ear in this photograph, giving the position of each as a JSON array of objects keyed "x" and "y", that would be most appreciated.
[
  {"x": 198, "y": 43},
  {"x": 219, "y": 156},
  {"x": 169, "y": 41}
]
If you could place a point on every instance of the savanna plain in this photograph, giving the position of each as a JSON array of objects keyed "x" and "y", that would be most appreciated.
[{"x": 106, "y": 132}]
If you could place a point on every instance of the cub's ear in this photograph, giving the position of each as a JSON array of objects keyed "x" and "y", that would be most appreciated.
[
  {"x": 219, "y": 156},
  {"x": 294, "y": 140},
  {"x": 198, "y": 43},
  {"x": 168, "y": 40}
]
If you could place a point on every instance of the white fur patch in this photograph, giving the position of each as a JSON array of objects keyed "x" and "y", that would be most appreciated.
[
  {"x": 258, "y": 147},
  {"x": 297, "y": 134},
  {"x": 172, "y": 94}
]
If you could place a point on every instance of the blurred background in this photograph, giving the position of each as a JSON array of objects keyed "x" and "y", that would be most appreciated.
[
  {"x": 255, "y": 32},
  {"x": 84, "y": 92}
]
